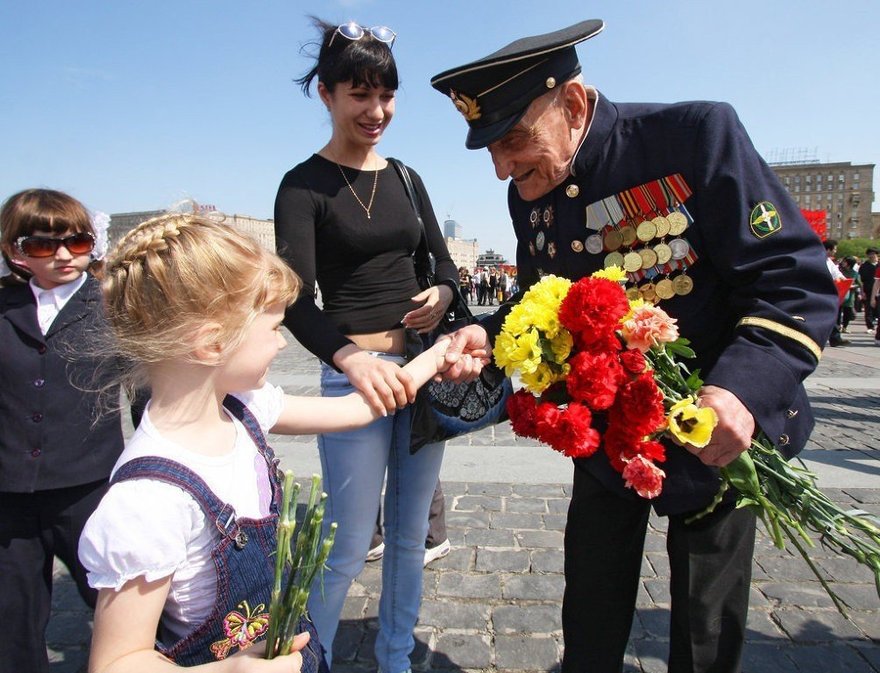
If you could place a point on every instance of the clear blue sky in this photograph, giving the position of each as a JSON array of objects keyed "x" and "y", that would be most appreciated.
[{"x": 135, "y": 105}]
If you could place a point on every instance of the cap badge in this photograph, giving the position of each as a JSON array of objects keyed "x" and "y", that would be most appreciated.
[
  {"x": 550, "y": 83},
  {"x": 467, "y": 106},
  {"x": 764, "y": 220}
]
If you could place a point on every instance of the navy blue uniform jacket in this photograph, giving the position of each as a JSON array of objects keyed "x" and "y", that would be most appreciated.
[
  {"x": 48, "y": 398},
  {"x": 781, "y": 280}
]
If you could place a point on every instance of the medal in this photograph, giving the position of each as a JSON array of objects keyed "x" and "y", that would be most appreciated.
[
  {"x": 539, "y": 240},
  {"x": 648, "y": 292},
  {"x": 632, "y": 293},
  {"x": 551, "y": 249},
  {"x": 678, "y": 223},
  {"x": 613, "y": 240},
  {"x": 632, "y": 261},
  {"x": 593, "y": 244},
  {"x": 577, "y": 246},
  {"x": 662, "y": 225},
  {"x": 679, "y": 247},
  {"x": 627, "y": 235},
  {"x": 548, "y": 215},
  {"x": 613, "y": 259},
  {"x": 664, "y": 253},
  {"x": 664, "y": 289},
  {"x": 533, "y": 217},
  {"x": 646, "y": 231},
  {"x": 682, "y": 285},
  {"x": 649, "y": 257}
]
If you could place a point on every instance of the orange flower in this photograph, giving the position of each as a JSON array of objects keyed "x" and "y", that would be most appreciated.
[{"x": 648, "y": 326}]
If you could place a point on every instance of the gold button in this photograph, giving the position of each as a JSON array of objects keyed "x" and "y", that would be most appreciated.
[
  {"x": 784, "y": 440},
  {"x": 572, "y": 191},
  {"x": 577, "y": 246},
  {"x": 791, "y": 413},
  {"x": 551, "y": 82}
]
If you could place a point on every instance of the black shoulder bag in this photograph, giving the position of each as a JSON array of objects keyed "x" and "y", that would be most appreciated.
[{"x": 444, "y": 410}]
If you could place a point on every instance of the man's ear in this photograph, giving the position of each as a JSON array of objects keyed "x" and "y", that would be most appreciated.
[
  {"x": 575, "y": 103},
  {"x": 207, "y": 344}
]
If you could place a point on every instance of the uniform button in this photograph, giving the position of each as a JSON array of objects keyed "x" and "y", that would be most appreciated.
[
  {"x": 784, "y": 440},
  {"x": 577, "y": 246},
  {"x": 572, "y": 191},
  {"x": 36, "y": 453},
  {"x": 39, "y": 383},
  {"x": 791, "y": 413},
  {"x": 41, "y": 349},
  {"x": 37, "y": 417}
]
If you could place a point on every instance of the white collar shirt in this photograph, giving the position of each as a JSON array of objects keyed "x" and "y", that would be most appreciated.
[{"x": 50, "y": 302}]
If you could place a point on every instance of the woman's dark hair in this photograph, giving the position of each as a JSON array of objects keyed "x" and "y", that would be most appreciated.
[{"x": 363, "y": 62}]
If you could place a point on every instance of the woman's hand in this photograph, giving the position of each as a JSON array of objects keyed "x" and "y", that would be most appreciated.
[
  {"x": 386, "y": 386},
  {"x": 436, "y": 301}
]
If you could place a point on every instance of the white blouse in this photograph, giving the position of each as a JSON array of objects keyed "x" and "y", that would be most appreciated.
[{"x": 152, "y": 529}]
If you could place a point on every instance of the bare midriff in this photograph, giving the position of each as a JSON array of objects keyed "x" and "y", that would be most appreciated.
[{"x": 391, "y": 341}]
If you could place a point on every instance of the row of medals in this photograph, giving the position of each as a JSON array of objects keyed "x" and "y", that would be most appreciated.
[{"x": 619, "y": 242}]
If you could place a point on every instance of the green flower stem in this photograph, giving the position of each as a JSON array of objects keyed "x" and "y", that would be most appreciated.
[{"x": 302, "y": 556}]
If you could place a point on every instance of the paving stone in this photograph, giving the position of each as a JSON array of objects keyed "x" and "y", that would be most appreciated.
[
  {"x": 478, "y": 503},
  {"x": 786, "y": 569},
  {"x": 452, "y": 614},
  {"x": 867, "y": 622},
  {"x": 458, "y": 558},
  {"x": 845, "y": 569},
  {"x": 655, "y": 621},
  {"x": 547, "y": 561},
  {"x": 761, "y": 627},
  {"x": 767, "y": 658},
  {"x": 649, "y": 655},
  {"x": 523, "y": 505},
  {"x": 478, "y": 537},
  {"x": 790, "y": 594},
  {"x": 504, "y": 520},
  {"x": 467, "y": 519},
  {"x": 552, "y": 539},
  {"x": 469, "y": 586},
  {"x": 659, "y": 563},
  {"x": 509, "y": 619},
  {"x": 816, "y": 626},
  {"x": 526, "y": 653},
  {"x": 824, "y": 659},
  {"x": 489, "y": 488},
  {"x": 539, "y": 490},
  {"x": 555, "y": 522},
  {"x": 558, "y": 506},
  {"x": 533, "y": 587},
  {"x": 659, "y": 591},
  {"x": 503, "y": 561},
  {"x": 462, "y": 651}
]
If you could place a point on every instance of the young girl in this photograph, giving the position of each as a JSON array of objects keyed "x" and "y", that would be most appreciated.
[
  {"x": 184, "y": 539},
  {"x": 55, "y": 458}
]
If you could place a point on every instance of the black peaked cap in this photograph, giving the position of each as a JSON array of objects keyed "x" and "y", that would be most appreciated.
[{"x": 493, "y": 93}]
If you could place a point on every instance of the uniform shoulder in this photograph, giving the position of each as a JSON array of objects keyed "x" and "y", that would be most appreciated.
[{"x": 686, "y": 113}]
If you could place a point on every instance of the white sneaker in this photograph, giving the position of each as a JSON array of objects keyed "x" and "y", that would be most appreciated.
[
  {"x": 441, "y": 550},
  {"x": 376, "y": 552}
]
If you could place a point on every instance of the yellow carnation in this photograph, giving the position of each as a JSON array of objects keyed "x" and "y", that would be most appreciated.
[{"x": 614, "y": 273}]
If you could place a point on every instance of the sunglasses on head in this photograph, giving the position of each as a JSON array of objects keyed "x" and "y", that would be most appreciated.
[
  {"x": 353, "y": 31},
  {"x": 43, "y": 246}
]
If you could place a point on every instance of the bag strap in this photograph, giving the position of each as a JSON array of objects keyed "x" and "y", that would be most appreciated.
[{"x": 421, "y": 257}]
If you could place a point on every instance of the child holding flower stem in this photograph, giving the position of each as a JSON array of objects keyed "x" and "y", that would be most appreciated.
[{"x": 183, "y": 540}]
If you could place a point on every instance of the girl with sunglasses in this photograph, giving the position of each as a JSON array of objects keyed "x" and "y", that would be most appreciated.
[
  {"x": 56, "y": 448},
  {"x": 343, "y": 220},
  {"x": 182, "y": 546}
]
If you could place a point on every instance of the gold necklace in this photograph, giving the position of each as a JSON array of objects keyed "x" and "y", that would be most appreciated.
[{"x": 369, "y": 206}]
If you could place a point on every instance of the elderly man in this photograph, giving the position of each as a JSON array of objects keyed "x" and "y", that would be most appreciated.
[{"x": 678, "y": 196}]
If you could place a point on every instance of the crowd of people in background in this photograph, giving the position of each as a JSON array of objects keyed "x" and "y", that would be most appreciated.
[
  {"x": 487, "y": 285},
  {"x": 860, "y": 297}
]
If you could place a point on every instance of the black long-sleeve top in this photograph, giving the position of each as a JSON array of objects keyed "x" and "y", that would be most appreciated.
[{"x": 363, "y": 266}]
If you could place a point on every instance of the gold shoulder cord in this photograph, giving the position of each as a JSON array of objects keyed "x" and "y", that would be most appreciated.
[{"x": 785, "y": 331}]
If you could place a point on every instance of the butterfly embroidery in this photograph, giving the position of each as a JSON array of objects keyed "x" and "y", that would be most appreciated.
[{"x": 242, "y": 627}]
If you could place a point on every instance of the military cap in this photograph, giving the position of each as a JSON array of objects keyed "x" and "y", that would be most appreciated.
[{"x": 493, "y": 93}]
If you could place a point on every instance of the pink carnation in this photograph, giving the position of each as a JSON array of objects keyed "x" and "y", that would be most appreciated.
[
  {"x": 649, "y": 326},
  {"x": 643, "y": 476}
]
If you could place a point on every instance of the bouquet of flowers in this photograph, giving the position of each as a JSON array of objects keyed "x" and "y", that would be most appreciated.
[
  {"x": 590, "y": 358},
  {"x": 299, "y": 556}
]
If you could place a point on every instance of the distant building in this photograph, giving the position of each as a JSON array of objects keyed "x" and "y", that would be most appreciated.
[
  {"x": 262, "y": 230},
  {"x": 844, "y": 191},
  {"x": 451, "y": 229},
  {"x": 464, "y": 252},
  {"x": 491, "y": 258}
]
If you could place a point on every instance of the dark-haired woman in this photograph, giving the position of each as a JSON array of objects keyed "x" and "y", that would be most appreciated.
[{"x": 343, "y": 218}]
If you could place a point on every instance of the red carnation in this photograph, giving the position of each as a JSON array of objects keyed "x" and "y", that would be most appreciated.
[
  {"x": 633, "y": 361},
  {"x": 620, "y": 444},
  {"x": 521, "y": 407},
  {"x": 595, "y": 378},
  {"x": 578, "y": 437},
  {"x": 639, "y": 406},
  {"x": 547, "y": 423},
  {"x": 593, "y": 308}
]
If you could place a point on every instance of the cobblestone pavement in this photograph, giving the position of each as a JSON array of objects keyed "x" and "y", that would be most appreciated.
[{"x": 493, "y": 604}]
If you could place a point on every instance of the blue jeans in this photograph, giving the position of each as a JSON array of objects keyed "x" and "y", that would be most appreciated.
[{"x": 354, "y": 465}]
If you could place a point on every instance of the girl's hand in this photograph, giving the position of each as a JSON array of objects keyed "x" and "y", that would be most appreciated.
[
  {"x": 252, "y": 659},
  {"x": 427, "y": 316},
  {"x": 385, "y": 385}
]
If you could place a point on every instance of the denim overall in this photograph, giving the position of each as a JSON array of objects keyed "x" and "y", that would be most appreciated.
[{"x": 243, "y": 556}]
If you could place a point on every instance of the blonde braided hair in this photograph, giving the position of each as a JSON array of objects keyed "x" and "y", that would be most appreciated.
[{"x": 172, "y": 274}]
